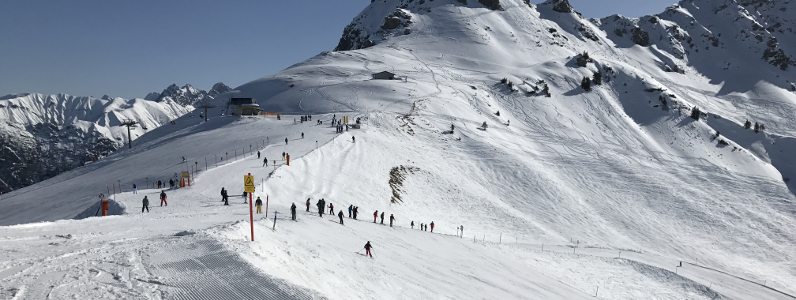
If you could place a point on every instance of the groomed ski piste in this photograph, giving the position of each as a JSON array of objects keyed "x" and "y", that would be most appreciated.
[{"x": 595, "y": 194}]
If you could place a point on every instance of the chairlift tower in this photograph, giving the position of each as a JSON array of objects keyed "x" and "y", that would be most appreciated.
[
  {"x": 206, "y": 105},
  {"x": 129, "y": 123}
]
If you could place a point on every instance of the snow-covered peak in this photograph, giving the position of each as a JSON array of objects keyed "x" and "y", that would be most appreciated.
[{"x": 188, "y": 95}]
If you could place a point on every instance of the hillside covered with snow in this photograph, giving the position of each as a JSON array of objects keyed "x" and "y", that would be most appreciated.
[
  {"x": 663, "y": 139},
  {"x": 45, "y": 135}
]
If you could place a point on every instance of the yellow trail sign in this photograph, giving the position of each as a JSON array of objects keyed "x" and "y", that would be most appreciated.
[{"x": 248, "y": 183}]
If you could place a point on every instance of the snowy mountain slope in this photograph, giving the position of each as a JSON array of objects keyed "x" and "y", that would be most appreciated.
[
  {"x": 188, "y": 95},
  {"x": 620, "y": 167},
  {"x": 49, "y": 134},
  {"x": 44, "y": 135}
]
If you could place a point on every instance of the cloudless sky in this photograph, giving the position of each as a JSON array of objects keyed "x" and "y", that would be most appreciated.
[{"x": 130, "y": 48}]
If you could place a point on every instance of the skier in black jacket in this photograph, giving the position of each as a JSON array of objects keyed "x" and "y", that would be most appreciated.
[
  {"x": 293, "y": 211},
  {"x": 367, "y": 249},
  {"x": 224, "y": 196},
  {"x": 340, "y": 215},
  {"x": 146, "y": 205}
]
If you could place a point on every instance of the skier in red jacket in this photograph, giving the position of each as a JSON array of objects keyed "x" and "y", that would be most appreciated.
[
  {"x": 375, "y": 215},
  {"x": 432, "y": 226}
]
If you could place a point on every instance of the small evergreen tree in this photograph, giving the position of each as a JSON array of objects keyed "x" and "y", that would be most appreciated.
[
  {"x": 762, "y": 127},
  {"x": 597, "y": 78},
  {"x": 695, "y": 113},
  {"x": 511, "y": 85},
  {"x": 586, "y": 84},
  {"x": 747, "y": 125},
  {"x": 504, "y": 81}
]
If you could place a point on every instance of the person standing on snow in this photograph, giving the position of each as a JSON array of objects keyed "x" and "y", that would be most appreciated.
[
  {"x": 391, "y": 219},
  {"x": 171, "y": 183},
  {"x": 163, "y": 198},
  {"x": 350, "y": 208},
  {"x": 382, "y": 218},
  {"x": 293, "y": 211},
  {"x": 285, "y": 141},
  {"x": 146, "y": 205},
  {"x": 367, "y": 249},
  {"x": 375, "y": 215},
  {"x": 158, "y": 183},
  {"x": 413, "y": 224},
  {"x": 265, "y": 161},
  {"x": 308, "y": 204},
  {"x": 432, "y": 226},
  {"x": 302, "y": 135},
  {"x": 259, "y": 204},
  {"x": 224, "y": 196},
  {"x": 353, "y": 139},
  {"x": 462, "y": 230},
  {"x": 331, "y": 208},
  {"x": 283, "y": 155},
  {"x": 356, "y": 209},
  {"x": 258, "y": 154},
  {"x": 340, "y": 215},
  {"x": 320, "y": 207}
]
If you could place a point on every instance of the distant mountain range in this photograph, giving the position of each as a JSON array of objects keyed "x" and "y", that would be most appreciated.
[{"x": 44, "y": 135}]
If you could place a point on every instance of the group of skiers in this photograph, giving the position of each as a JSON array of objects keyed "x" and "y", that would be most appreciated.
[
  {"x": 146, "y": 201},
  {"x": 306, "y": 118}
]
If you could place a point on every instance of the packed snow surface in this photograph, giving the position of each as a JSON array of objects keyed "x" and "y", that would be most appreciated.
[{"x": 613, "y": 193}]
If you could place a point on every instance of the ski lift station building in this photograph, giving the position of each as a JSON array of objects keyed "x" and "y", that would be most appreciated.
[
  {"x": 244, "y": 106},
  {"x": 384, "y": 75}
]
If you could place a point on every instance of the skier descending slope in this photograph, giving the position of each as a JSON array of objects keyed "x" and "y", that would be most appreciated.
[
  {"x": 146, "y": 205},
  {"x": 367, "y": 249},
  {"x": 163, "y": 198}
]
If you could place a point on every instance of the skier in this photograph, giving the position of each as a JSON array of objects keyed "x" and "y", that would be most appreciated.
[
  {"x": 375, "y": 215},
  {"x": 353, "y": 139},
  {"x": 135, "y": 189},
  {"x": 432, "y": 226},
  {"x": 320, "y": 208},
  {"x": 391, "y": 219},
  {"x": 356, "y": 209},
  {"x": 258, "y": 154},
  {"x": 259, "y": 204},
  {"x": 283, "y": 155},
  {"x": 171, "y": 183},
  {"x": 382, "y": 218},
  {"x": 245, "y": 200},
  {"x": 308, "y": 204},
  {"x": 462, "y": 230},
  {"x": 340, "y": 215},
  {"x": 224, "y": 196},
  {"x": 331, "y": 208},
  {"x": 413, "y": 224},
  {"x": 146, "y": 205},
  {"x": 285, "y": 141},
  {"x": 350, "y": 208},
  {"x": 163, "y": 198},
  {"x": 293, "y": 211},
  {"x": 183, "y": 159},
  {"x": 265, "y": 161},
  {"x": 302, "y": 135},
  {"x": 367, "y": 249},
  {"x": 158, "y": 183}
]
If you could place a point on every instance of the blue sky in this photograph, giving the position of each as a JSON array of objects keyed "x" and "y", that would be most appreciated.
[{"x": 131, "y": 48}]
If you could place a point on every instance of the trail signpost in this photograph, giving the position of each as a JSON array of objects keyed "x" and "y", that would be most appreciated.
[{"x": 248, "y": 186}]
